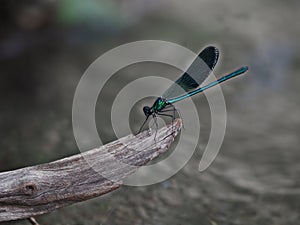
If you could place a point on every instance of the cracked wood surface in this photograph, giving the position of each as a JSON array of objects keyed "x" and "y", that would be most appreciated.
[{"x": 43, "y": 188}]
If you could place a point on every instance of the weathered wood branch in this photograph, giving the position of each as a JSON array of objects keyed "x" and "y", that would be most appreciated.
[{"x": 43, "y": 188}]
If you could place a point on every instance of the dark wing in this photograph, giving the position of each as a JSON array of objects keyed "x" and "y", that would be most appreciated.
[{"x": 195, "y": 74}]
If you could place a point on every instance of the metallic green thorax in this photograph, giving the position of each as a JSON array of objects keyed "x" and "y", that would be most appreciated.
[{"x": 159, "y": 104}]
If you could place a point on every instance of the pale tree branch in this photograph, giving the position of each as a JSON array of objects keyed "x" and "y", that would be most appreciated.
[{"x": 40, "y": 189}]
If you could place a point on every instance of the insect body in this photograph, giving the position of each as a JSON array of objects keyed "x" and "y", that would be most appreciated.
[{"x": 187, "y": 85}]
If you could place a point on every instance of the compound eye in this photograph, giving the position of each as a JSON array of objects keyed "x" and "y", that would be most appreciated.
[{"x": 146, "y": 110}]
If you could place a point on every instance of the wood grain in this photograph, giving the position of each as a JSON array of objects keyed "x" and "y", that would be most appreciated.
[{"x": 43, "y": 188}]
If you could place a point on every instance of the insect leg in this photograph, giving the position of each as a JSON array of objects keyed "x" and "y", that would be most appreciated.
[
  {"x": 172, "y": 110},
  {"x": 162, "y": 114},
  {"x": 156, "y": 125},
  {"x": 143, "y": 125},
  {"x": 171, "y": 116}
]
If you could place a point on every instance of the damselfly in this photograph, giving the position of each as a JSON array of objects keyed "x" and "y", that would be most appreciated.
[{"x": 184, "y": 86}]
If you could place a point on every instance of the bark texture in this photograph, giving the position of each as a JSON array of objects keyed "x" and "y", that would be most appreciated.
[{"x": 40, "y": 189}]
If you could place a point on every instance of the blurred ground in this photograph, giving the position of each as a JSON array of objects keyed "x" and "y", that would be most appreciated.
[{"x": 45, "y": 46}]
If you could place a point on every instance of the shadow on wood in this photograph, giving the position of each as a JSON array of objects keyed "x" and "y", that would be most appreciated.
[{"x": 43, "y": 188}]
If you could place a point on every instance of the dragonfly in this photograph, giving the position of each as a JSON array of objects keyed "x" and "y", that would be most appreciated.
[{"x": 187, "y": 85}]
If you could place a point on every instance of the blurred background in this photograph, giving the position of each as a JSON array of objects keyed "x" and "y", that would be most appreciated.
[{"x": 46, "y": 45}]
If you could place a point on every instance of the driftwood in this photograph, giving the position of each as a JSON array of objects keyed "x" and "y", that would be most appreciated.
[{"x": 40, "y": 189}]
